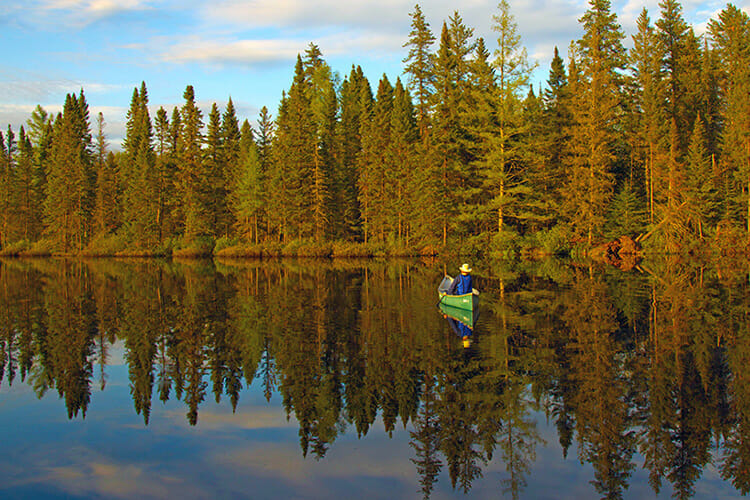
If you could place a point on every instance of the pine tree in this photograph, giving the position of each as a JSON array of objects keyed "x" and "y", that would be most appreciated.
[
  {"x": 70, "y": 183},
  {"x": 265, "y": 137},
  {"x": 248, "y": 195},
  {"x": 140, "y": 199},
  {"x": 479, "y": 118},
  {"x": 215, "y": 170},
  {"x": 674, "y": 37},
  {"x": 165, "y": 171},
  {"x": 356, "y": 99},
  {"x": 7, "y": 183},
  {"x": 40, "y": 135},
  {"x": 650, "y": 96},
  {"x": 554, "y": 133},
  {"x": 230, "y": 140},
  {"x": 502, "y": 171},
  {"x": 324, "y": 107},
  {"x": 444, "y": 139},
  {"x": 294, "y": 150},
  {"x": 702, "y": 193},
  {"x": 193, "y": 188},
  {"x": 106, "y": 212},
  {"x": 372, "y": 184},
  {"x": 730, "y": 35},
  {"x": 28, "y": 229},
  {"x": 402, "y": 161},
  {"x": 600, "y": 60},
  {"x": 419, "y": 67}
]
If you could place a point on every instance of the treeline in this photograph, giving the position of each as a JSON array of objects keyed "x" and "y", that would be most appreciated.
[
  {"x": 634, "y": 370},
  {"x": 652, "y": 142}
]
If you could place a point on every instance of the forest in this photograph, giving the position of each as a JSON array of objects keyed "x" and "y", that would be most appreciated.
[{"x": 462, "y": 155}]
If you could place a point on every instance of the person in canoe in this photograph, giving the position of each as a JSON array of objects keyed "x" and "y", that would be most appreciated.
[{"x": 463, "y": 283}]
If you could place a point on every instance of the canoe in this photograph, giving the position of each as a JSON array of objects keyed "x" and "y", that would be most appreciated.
[
  {"x": 468, "y": 318},
  {"x": 467, "y": 301}
]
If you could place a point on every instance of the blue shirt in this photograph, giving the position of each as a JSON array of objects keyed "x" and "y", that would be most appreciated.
[{"x": 461, "y": 285}]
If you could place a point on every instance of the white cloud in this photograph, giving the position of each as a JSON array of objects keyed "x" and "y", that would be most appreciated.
[
  {"x": 254, "y": 52},
  {"x": 307, "y": 14},
  {"x": 80, "y": 13}
]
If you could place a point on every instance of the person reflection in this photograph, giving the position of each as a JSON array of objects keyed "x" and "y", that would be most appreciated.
[{"x": 461, "y": 330}]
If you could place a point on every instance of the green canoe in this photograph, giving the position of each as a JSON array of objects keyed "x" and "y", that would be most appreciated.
[
  {"x": 467, "y": 301},
  {"x": 465, "y": 316}
]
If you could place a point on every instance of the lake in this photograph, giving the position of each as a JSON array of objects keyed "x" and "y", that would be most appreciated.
[{"x": 322, "y": 379}]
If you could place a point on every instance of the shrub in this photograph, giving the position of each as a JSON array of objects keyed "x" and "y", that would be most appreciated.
[
  {"x": 15, "y": 249},
  {"x": 194, "y": 248},
  {"x": 105, "y": 245}
]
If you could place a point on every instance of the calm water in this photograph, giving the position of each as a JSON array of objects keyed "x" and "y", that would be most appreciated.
[{"x": 302, "y": 379}]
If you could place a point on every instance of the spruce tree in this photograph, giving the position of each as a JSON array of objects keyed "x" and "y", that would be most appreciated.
[
  {"x": 69, "y": 201},
  {"x": 600, "y": 60},
  {"x": 28, "y": 229},
  {"x": 140, "y": 199},
  {"x": 248, "y": 194},
  {"x": 356, "y": 99},
  {"x": 294, "y": 150},
  {"x": 216, "y": 170},
  {"x": 372, "y": 162},
  {"x": 419, "y": 67},
  {"x": 554, "y": 133},
  {"x": 193, "y": 188},
  {"x": 650, "y": 96},
  {"x": 106, "y": 212},
  {"x": 702, "y": 188},
  {"x": 502, "y": 172},
  {"x": 6, "y": 189},
  {"x": 402, "y": 162},
  {"x": 479, "y": 118},
  {"x": 730, "y": 34}
]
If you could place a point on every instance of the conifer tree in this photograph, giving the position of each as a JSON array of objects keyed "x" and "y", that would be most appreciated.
[
  {"x": 356, "y": 99},
  {"x": 502, "y": 172},
  {"x": 674, "y": 37},
  {"x": 105, "y": 216},
  {"x": 193, "y": 188},
  {"x": 70, "y": 184},
  {"x": 39, "y": 132},
  {"x": 215, "y": 170},
  {"x": 419, "y": 67},
  {"x": 230, "y": 141},
  {"x": 28, "y": 229},
  {"x": 324, "y": 107},
  {"x": 600, "y": 59},
  {"x": 650, "y": 97},
  {"x": 730, "y": 34},
  {"x": 372, "y": 163},
  {"x": 248, "y": 195},
  {"x": 555, "y": 126},
  {"x": 479, "y": 118},
  {"x": 401, "y": 159},
  {"x": 165, "y": 146},
  {"x": 294, "y": 159},
  {"x": 140, "y": 200},
  {"x": 702, "y": 193},
  {"x": 444, "y": 139},
  {"x": 7, "y": 182},
  {"x": 265, "y": 137}
]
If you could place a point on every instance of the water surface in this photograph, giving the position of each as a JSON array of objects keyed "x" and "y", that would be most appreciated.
[{"x": 319, "y": 379}]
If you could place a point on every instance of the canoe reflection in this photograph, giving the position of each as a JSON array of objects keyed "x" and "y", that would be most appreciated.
[{"x": 462, "y": 322}]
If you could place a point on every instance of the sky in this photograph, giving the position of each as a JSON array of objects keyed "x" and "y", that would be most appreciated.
[{"x": 246, "y": 49}]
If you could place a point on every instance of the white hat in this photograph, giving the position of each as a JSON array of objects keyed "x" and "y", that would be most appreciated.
[{"x": 465, "y": 268}]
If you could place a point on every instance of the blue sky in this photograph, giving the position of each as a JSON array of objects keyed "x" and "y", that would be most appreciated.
[{"x": 243, "y": 48}]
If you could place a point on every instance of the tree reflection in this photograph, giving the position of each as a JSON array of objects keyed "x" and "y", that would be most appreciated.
[{"x": 631, "y": 369}]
